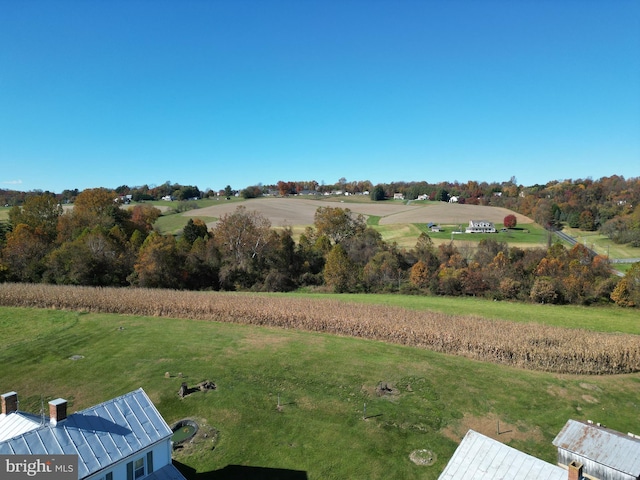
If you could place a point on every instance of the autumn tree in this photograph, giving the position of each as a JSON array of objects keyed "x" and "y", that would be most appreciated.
[
  {"x": 158, "y": 264},
  {"x": 420, "y": 275},
  {"x": 338, "y": 223},
  {"x": 339, "y": 272},
  {"x": 143, "y": 217},
  {"x": 94, "y": 207},
  {"x": 242, "y": 238},
  {"x": 96, "y": 258},
  {"x": 510, "y": 221},
  {"x": 544, "y": 291},
  {"x": 23, "y": 254},
  {"x": 40, "y": 212},
  {"x": 382, "y": 272},
  {"x": 627, "y": 292}
]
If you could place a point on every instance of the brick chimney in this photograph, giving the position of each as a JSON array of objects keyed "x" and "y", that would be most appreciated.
[
  {"x": 57, "y": 410},
  {"x": 575, "y": 471},
  {"x": 9, "y": 402}
]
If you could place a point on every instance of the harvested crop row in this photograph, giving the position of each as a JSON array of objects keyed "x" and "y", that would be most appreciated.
[{"x": 530, "y": 346}]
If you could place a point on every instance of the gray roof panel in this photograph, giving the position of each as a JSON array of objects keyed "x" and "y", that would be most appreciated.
[
  {"x": 607, "y": 447},
  {"x": 481, "y": 458}
]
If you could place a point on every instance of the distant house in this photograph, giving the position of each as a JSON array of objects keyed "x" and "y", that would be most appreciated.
[
  {"x": 604, "y": 453},
  {"x": 480, "y": 226},
  {"x": 424, "y": 196},
  {"x": 125, "y": 438},
  {"x": 453, "y": 199},
  {"x": 167, "y": 198},
  {"x": 398, "y": 196},
  {"x": 481, "y": 458}
]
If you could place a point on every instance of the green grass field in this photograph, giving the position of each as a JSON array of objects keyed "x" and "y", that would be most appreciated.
[
  {"x": 323, "y": 383},
  {"x": 602, "y": 244}
]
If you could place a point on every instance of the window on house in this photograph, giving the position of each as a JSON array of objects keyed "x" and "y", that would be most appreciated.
[{"x": 138, "y": 468}]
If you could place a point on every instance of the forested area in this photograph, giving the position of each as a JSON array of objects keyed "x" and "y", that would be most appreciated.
[{"x": 103, "y": 243}]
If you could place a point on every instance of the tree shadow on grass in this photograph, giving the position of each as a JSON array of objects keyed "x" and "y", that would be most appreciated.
[{"x": 241, "y": 472}]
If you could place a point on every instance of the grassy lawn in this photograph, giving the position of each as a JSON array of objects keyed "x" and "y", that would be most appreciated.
[
  {"x": 323, "y": 383},
  {"x": 602, "y": 244},
  {"x": 174, "y": 223},
  {"x": 405, "y": 235},
  {"x": 532, "y": 235},
  {"x": 4, "y": 213}
]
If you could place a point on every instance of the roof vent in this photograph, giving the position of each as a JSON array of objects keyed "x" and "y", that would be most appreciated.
[
  {"x": 57, "y": 410},
  {"x": 9, "y": 402}
]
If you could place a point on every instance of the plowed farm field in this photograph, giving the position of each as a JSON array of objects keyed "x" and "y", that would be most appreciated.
[{"x": 300, "y": 212}]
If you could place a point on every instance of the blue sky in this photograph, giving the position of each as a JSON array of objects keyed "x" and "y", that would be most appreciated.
[{"x": 215, "y": 93}]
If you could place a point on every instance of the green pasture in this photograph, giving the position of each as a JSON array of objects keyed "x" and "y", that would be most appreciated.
[
  {"x": 530, "y": 235},
  {"x": 4, "y": 213},
  {"x": 174, "y": 223},
  {"x": 602, "y": 244},
  {"x": 321, "y": 382}
]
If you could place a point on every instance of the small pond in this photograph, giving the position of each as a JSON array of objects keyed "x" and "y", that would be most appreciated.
[{"x": 182, "y": 431}]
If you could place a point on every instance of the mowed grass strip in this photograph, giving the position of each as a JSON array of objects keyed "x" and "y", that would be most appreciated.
[
  {"x": 608, "y": 319},
  {"x": 527, "y": 345},
  {"x": 323, "y": 382}
]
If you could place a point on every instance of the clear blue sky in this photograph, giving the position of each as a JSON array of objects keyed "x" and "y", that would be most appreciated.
[{"x": 209, "y": 93}]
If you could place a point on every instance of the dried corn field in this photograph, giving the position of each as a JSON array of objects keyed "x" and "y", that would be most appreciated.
[{"x": 530, "y": 346}]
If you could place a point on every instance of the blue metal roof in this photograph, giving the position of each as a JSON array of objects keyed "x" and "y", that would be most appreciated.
[{"x": 100, "y": 435}]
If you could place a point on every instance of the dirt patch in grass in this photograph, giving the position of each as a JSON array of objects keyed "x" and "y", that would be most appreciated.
[
  {"x": 590, "y": 386},
  {"x": 488, "y": 425},
  {"x": 556, "y": 391},
  {"x": 256, "y": 342},
  {"x": 590, "y": 399}
]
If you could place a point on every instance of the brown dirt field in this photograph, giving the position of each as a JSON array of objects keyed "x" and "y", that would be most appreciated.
[
  {"x": 297, "y": 211},
  {"x": 488, "y": 426}
]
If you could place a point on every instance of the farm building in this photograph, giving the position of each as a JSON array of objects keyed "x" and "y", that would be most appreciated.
[
  {"x": 123, "y": 438},
  {"x": 480, "y": 226},
  {"x": 605, "y": 454},
  {"x": 585, "y": 452},
  {"x": 398, "y": 196},
  {"x": 481, "y": 458}
]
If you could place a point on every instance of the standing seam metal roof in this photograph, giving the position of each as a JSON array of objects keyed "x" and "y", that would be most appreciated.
[
  {"x": 100, "y": 435},
  {"x": 481, "y": 458}
]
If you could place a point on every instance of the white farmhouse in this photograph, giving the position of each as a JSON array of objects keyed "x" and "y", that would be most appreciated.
[
  {"x": 480, "y": 226},
  {"x": 125, "y": 438}
]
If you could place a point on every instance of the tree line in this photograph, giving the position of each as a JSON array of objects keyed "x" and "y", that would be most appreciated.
[{"x": 101, "y": 243}]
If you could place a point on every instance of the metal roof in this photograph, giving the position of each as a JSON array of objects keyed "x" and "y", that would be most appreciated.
[
  {"x": 599, "y": 444},
  {"x": 483, "y": 458},
  {"x": 17, "y": 423},
  {"x": 101, "y": 435}
]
